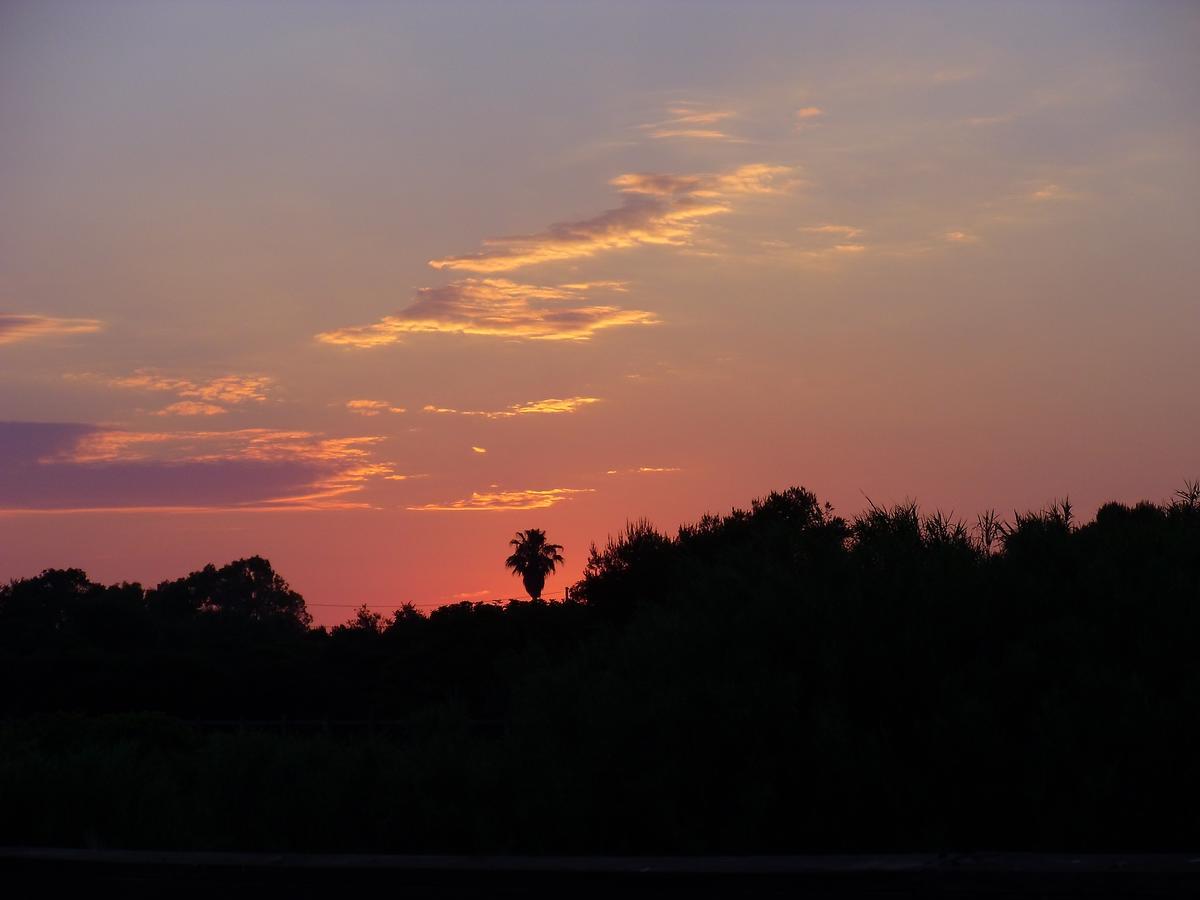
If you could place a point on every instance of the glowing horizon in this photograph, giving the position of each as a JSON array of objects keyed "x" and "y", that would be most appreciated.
[{"x": 367, "y": 289}]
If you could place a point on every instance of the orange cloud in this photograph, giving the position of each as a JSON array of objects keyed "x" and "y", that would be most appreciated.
[
  {"x": 251, "y": 469},
  {"x": 699, "y": 133},
  {"x": 549, "y": 406},
  {"x": 197, "y": 398},
  {"x": 682, "y": 122},
  {"x": 1049, "y": 192},
  {"x": 495, "y": 307},
  {"x": 849, "y": 231},
  {"x": 658, "y": 209},
  {"x": 14, "y": 327},
  {"x": 618, "y": 286},
  {"x": 821, "y": 258},
  {"x": 834, "y": 245},
  {"x": 105, "y": 445},
  {"x": 501, "y": 501},
  {"x": 372, "y": 407},
  {"x": 479, "y": 449},
  {"x": 809, "y": 112},
  {"x": 644, "y": 470},
  {"x": 191, "y": 408},
  {"x": 687, "y": 114}
]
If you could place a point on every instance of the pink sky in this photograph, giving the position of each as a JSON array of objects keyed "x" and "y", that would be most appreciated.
[{"x": 366, "y": 289}]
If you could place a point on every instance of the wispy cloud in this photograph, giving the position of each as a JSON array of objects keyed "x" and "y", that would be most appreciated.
[
  {"x": 983, "y": 121},
  {"x": 1078, "y": 87},
  {"x": 846, "y": 231},
  {"x": 197, "y": 398},
  {"x": 828, "y": 246},
  {"x": 687, "y": 120},
  {"x": 495, "y": 307},
  {"x": 49, "y": 467},
  {"x": 1049, "y": 192},
  {"x": 703, "y": 134},
  {"x": 372, "y": 407},
  {"x": 829, "y": 257},
  {"x": 191, "y": 408},
  {"x": 15, "y": 327},
  {"x": 549, "y": 406},
  {"x": 502, "y": 501},
  {"x": 960, "y": 237},
  {"x": 117, "y": 445},
  {"x": 644, "y": 470},
  {"x": 658, "y": 209}
]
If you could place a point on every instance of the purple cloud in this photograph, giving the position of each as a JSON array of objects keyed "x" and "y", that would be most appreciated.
[{"x": 47, "y": 466}]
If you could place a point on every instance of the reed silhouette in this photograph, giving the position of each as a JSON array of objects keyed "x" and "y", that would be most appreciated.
[{"x": 776, "y": 679}]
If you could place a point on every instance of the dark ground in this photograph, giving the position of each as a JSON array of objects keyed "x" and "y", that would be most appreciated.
[
  {"x": 985, "y": 875},
  {"x": 761, "y": 687}
]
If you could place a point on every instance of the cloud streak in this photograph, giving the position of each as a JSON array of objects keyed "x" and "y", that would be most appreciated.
[
  {"x": 372, "y": 407},
  {"x": 196, "y": 398},
  {"x": 15, "y": 328},
  {"x": 495, "y": 307},
  {"x": 549, "y": 406},
  {"x": 47, "y": 467},
  {"x": 645, "y": 470},
  {"x": 191, "y": 408},
  {"x": 504, "y": 501},
  {"x": 960, "y": 237},
  {"x": 846, "y": 231},
  {"x": 657, "y": 210},
  {"x": 689, "y": 121}
]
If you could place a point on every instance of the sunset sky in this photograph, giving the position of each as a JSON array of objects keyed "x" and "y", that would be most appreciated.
[{"x": 367, "y": 287}]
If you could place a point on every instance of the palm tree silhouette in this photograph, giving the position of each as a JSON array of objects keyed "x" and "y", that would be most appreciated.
[{"x": 533, "y": 559}]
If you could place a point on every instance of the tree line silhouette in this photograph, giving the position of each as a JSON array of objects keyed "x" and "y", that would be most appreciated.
[{"x": 772, "y": 680}]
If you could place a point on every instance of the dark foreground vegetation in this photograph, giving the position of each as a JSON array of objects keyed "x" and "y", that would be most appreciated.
[{"x": 772, "y": 681}]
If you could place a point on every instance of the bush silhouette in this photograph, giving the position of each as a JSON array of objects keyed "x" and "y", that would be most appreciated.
[{"x": 775, "y": 679}]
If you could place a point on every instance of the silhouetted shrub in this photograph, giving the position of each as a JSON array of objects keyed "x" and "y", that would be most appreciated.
[{"x": 772, "y": 680}]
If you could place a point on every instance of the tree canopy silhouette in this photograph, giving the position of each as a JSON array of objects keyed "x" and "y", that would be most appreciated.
[
  {"x": 533, "y": 559},
  {"x": 777, "y": 678},
  {"x": 248, "y": 589}
]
